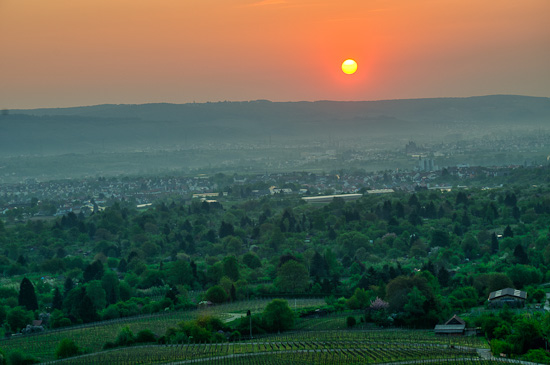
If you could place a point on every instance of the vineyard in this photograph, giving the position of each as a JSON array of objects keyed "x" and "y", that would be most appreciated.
[
  {"x": 325, "y": 339},
  {"x": 325, "y": 347},
  {"x": 92, "y": 337}
]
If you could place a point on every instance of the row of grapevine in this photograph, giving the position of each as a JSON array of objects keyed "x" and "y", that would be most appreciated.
[
  {"x": 330, "y": 347},
  {"x": 93, "y": 336}
]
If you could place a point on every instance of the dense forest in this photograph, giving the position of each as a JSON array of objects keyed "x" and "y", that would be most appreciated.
[{"x": 405, "y": 259}]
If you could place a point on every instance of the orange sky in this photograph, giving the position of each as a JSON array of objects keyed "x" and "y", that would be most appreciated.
[{"x": 84, "y": 52}]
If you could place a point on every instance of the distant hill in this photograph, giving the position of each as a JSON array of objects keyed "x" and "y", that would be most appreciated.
[{"x": 141, "y": 127}]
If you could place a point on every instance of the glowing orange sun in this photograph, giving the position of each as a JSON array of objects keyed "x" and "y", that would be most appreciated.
[{"x": 349, "y": 66}]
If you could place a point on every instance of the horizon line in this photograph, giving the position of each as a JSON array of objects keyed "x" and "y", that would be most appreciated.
[{"x": 269, "y": 101}]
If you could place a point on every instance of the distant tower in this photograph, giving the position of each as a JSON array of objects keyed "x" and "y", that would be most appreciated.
[
  {"x": 411, "y": 147},
  {"x": 426, "y": 164}
]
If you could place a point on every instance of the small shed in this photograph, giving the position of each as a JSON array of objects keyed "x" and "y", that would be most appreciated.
[
  {"x": 453, "y": 327},
  {"x": 204, "y": 304},
  {"x": 512, "y": 297}
]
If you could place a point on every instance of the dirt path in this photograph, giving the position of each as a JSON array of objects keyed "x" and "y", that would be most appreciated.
[{"x": 233, "y": 316}]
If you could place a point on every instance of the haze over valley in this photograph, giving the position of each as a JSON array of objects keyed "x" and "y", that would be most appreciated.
[
  {"x": 261, "y": 135},
  {"x": 275, "y": 182}
]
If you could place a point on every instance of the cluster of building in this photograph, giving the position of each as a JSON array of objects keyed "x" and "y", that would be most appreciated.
[
  {"x": 95, "y": 193},
  {"x": 510, "y": 297}
]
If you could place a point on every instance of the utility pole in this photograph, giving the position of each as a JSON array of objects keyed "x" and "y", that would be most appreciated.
[{"x": 249, "y": 315}]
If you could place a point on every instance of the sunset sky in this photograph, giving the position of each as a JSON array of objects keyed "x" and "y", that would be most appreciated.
[{"x": 57, "y": 53}]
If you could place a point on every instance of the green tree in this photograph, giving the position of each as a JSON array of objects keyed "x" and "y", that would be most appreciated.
[
  {"x": 524, "y": 332},
  {"x": 3, "y": 314},
  {"x": 226, "y": 229},
  {"x": 277, "y": 316},
  {"x": 58, "y": 320},
  {"x": 86, "y": 310},
  {"x": 508, "y": 232},
  {"x": 520, "y": 255},
  {"x": 72, "y": 301},
  {"x": 27, "y": 296},
  {"x": 251, "y": 260},
  {"x": 180, "y": 273},
  {"x": 463, "y": 298},
  {"x": 523, "y": 275},
  {"x": 486, "y": 283},
  {"x": 318, "y": 265},
  {"x": 440, "y": 238},
  {"x": 292, "y": 277},
  {"x": 461, "y": 198},
  {"x": 537, "y": 295},
  {"x": 111, "y": 285},
  {"x": 539, "y": 356},
  {"x": 96, "y": 293},
  {"x": 93, "y": 271},
  {"x": 231, "y": 268},
  {"x": 125, "y": 337},
  {"x": 214, "y": 272},
  {"x": 66, "y": 348},
  {"x": 398, "y": 289},
  {"x": 233, "y": 244},
  {"x": 68, "y": 285},
  {"x": 413, "y": 201},
  {"x": 145, "y": 336},
  {"x": 414, "y": 308},
  {"x": 360, "y": 299},
  {"x": 500, "y": 347},
  {"x": 277, "y": 239},
  {"x": 469, "y": 246},
  {"x": 57, "y": 302},
  {"x": 415, "y": 219},
  {"x": 17, "y": 357},
  {"x": 18, "y": 318},
  {"x": 516, "y": 213},
  {"x": 499, "y": 281},
  {"x": 216, "y": 294},
  {"x": 352, "y": 241}
]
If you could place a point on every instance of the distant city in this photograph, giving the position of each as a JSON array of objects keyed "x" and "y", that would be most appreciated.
[{"x": 31, "y": 198}]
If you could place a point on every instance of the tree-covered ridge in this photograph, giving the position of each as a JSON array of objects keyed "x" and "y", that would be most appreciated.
[{"x": 426, "y": 255}]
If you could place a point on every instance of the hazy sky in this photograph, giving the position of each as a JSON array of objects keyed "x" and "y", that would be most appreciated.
[{"x": 85, "y": 52}]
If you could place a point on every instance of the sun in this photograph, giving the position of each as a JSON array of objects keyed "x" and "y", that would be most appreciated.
[{"x": 349, "y": 66}]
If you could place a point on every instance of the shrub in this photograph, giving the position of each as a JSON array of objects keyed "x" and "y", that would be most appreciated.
[
  {"x": 538, "y": 356},
  {"x": 251, "y": 260},
  {"x": 277, "y": 316},
  {"x": 145, "y": 336},
  {"x": 500, "y": 347},
  {"x": 235, "y": 335},
  {"x": 111, "y": 312},
  {"x": 193, "y": 329},
  {"x": 66, "y": 348},
  {"x": 58, "y": 319},
  {"x": 247, "y": 323},
  {"x": 350, "y": 321},
  {"x": 125, "y": 337},
  {"x": 178, "y": 337},
  {"x": 18, "y": 358},
  {"x": 216, "y": 294},
  {"x": 18, "y": 318}
]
